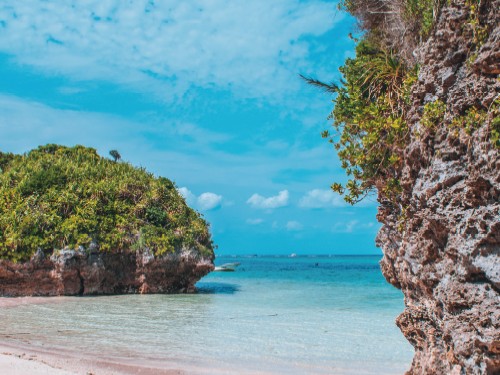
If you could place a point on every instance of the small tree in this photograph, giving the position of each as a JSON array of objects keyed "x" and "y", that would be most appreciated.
[{"x": 115, "y": 155}]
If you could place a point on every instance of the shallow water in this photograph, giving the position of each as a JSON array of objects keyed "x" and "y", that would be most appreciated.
[{"x": 303, "y": 315}]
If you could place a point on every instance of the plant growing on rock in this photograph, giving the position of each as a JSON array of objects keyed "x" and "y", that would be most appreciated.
[
  {"x": 368, "y": 119},
  {"x": 55, "y": 197}
]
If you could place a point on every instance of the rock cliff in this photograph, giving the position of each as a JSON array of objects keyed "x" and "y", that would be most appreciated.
[
  {"x": 443, "y": 252},
  {"x": 70, "y": 272}
]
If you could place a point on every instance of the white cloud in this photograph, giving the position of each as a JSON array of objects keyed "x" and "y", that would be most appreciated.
[
  {"x": 354, "y": 226},
  {"x": 253, "y": 47},
  {"x": 205, "y": 201},
  {"x": 258, "y": 201},
  {"x": 187, "y": 194},
  {"x": 187, "y": 162},
  {"x": 254, "y": 221},
  {"x": 209, "y": 201},
  {"x": 294, "y": 226},
  {"x": 318, "y": 198}
]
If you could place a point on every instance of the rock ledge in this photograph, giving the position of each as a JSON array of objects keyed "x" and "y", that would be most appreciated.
[{"x": 79, "y": 272}]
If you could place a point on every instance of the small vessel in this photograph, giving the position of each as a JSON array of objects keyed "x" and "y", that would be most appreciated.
[{"x": 228, "y": 267}]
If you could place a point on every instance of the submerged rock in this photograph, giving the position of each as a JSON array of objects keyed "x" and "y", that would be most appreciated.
[{"x": 74, "y": 272}]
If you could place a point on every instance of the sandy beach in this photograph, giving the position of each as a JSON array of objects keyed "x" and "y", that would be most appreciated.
[
  {"x": 218, "y": 331},
  {"x": 13, "y": 364},
  {"x": 31, "y": 361},
  {"x": 34, "y": 361}
]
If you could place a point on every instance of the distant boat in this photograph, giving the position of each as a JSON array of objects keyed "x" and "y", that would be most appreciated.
[
  {"x": 228, "y": 267},
  {"x": 293, "y": 255}
]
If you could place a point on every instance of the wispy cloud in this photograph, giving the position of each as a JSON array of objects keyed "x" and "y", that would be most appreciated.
[
  {"x": 258, "y": 201},
  {"x": 354, "y": 226},
  {"x": 322, "y": 198},
  {"x": 250, "y": 47},
  {"x": 190, "y": 157},
  {"x": 318, "y": 198},
  {"x": 255, "y": 221},
  {"x": 294, "y": 226}
]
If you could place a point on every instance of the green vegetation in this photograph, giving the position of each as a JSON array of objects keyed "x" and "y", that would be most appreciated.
[
  {"x": 494, "y": 122},
  {"x": 372, "y": 101},
  {"x": 56, "y": 197},
  {"x": 479, "y": 31},
  {"x": 115, "y": 155},
  {"x": 474, "y": 117},
  {"x": 368, "y": 118},
  {"x": 433, "y": 114},
  {"x": 423, "y": 13}
]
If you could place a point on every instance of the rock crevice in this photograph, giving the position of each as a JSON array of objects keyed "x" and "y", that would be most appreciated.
[{"x": 445, "y": 255}]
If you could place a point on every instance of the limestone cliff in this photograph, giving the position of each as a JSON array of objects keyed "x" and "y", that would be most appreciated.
[
  {"x": 443, "y": 253},
  {"x": 70, "y": 272}
]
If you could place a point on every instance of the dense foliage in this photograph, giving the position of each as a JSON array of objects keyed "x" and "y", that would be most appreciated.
[
  {"x": 368, "y": 119},
  {"x": 371, "y": 102},
  {"x": 56, "y": 197}
]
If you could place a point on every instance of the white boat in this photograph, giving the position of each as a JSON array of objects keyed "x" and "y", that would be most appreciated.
[{"x": 228, "y": 267}]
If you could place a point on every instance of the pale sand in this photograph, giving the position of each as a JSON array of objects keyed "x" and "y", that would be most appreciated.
[
  {"x": 13, "y": 365},
  {"x": 20, "y": 360},
  {"x": 26, "y": 360},
  {"x": 30, "y": 361}
]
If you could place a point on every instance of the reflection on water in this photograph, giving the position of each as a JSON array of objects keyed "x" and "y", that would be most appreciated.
[{"x": 292, "y": 316}]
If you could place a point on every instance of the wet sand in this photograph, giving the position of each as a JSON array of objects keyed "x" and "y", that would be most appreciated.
[
  {"x": 26, "y": 359},
  {"x": 20, "y": 360}
]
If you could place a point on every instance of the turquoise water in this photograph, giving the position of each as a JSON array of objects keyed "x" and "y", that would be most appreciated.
[{"x": 302, "y": 315}]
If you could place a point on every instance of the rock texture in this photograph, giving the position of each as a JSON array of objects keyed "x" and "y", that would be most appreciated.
[
  {"x": 70, "y": 272},
  {"x": 444, "y": 254}
]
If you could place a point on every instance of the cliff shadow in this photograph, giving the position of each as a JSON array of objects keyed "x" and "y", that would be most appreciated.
[{"x": 216, "y": 288}]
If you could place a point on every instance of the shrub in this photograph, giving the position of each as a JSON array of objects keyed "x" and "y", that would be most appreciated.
[
  {"x": 368, "y": 119},
  {"x": 56, "y": 197}
]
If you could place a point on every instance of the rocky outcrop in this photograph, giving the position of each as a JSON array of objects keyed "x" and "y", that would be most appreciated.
[
  {"x": 444, "y": 251},
  {"x": 79, "y": 272}
]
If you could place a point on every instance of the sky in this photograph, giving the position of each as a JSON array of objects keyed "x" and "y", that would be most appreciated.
[{"x": 204, "y": 92}]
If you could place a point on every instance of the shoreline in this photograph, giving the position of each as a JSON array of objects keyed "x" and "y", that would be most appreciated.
[
  {"x": 27, "y": 360},
  {"x": 20, "y": 355},
  {"x": 18, "y": 360},
  {"x": 18, "y": 301}
]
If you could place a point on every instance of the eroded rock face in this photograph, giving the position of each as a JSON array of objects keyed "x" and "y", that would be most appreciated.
[
  {"x": 445, "y": 253},
  {"x": 70, "y": 272}
]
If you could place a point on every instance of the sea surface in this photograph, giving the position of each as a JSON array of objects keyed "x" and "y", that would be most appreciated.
[{"x": 283, "y": 315}]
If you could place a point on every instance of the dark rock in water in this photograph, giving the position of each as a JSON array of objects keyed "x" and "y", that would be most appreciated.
[
  {"x": 75, "y": 272},
  {"x": 445, "y": 255}
]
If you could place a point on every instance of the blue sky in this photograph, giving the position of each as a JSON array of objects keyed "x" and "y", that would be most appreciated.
[{"x": 206, "y": 93}]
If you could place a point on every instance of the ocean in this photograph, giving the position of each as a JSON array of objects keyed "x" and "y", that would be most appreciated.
[{"x": 273, "y": 315}]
